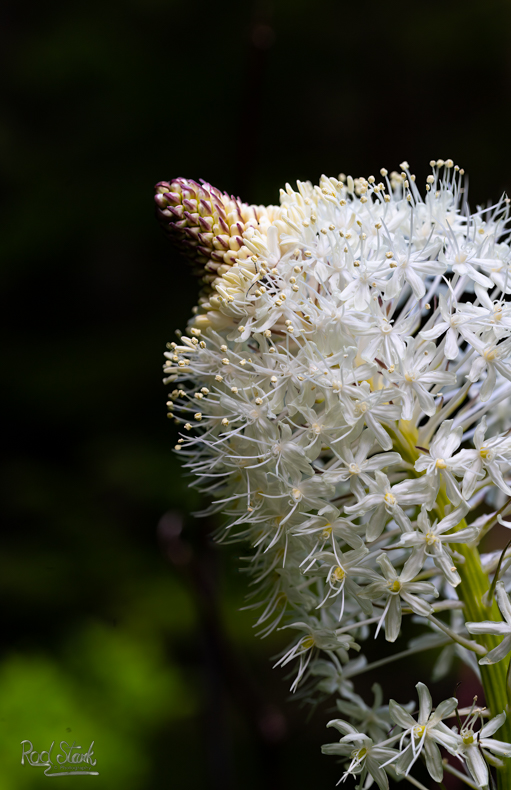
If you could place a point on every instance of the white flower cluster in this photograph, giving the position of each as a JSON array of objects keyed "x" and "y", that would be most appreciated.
[
  {"x": 422, "y": 737},
  {"x": 340, "y": 394}
]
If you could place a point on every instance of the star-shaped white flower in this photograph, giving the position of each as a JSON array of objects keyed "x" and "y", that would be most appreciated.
[
  {"x": 396, "y": 587},
  {"x": 472, "y": 747},
  {"x": 422, "y": 732},
  {"x": 366, "y": 756},
  {"x": 432, "y": 541},
  {"x": 489, "y": 456},
  {"x": 440, "y": 462}
]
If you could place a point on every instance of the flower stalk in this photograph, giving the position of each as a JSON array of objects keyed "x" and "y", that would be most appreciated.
[{"x": 475, "y": 585}]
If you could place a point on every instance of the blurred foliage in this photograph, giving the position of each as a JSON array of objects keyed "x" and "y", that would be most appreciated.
[{"x": 108, "y": 634}]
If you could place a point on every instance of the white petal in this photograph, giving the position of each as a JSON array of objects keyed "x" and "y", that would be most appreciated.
[
  {"x": 438, "y": 329},
  {"x": 491, "y": 727},
  {"x": 418, "y": 287},
  {"x": 443, "y": 710},
  {"x": 503, "y": 602},
  {"x": 426, "y": 400},
  {"x": 433, "y": 760},
  {"x": 400, "y": 716},
  {"x": 393, "y": 619},
  {"x": 477, "y": 767},
  {"x": 425, "y": 702},
  {"x": 451, "y": 345},
  {"x": 488, "y": 627},
  {"x": 498, "y": 653},
  {"x": 489, "y": 383}
]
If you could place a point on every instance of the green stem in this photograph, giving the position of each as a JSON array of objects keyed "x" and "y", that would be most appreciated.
[{"x": 474, "y": 585}]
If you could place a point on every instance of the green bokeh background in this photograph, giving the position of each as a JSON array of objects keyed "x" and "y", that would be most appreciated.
[{"x": 114, "y": 631}]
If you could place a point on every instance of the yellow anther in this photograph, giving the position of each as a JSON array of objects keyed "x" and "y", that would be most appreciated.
[{"x": 338, "y": 574}]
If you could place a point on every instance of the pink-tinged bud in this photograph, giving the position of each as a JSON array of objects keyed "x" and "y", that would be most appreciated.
[
  {"x": 163, "y": 215},
  {"x": 177, "y": 211},
  {"x": 193, "y": 233},
  {"x": 162, "y": 186},
  {"x": 206, "y": 239},
  {"x": 216, "y": 192},
  {"x": 189, "y": 189},
  {"x": 167, "y": 199},
  {"x": 221, "y": 242},
  {"x": 160, "y": 201},
  {"x": 174, "y": 198},
  {"x": 230, "y": 257},
  {"x": 206, "y": 224},
  {"x": 220, "y": 210},
  {"x": 212, "y": 266},
  {"x": 223, "y": 224}
]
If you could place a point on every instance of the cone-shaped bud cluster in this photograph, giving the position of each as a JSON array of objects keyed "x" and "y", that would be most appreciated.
[{"x": 206, "y": 225}]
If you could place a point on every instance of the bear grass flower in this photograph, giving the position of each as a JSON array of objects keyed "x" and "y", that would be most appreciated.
[
  {"x": 341, "y": 395},
  {"x": 421, "y": 734},
  {"x": 431, "y": 540},
  {"x": 476, "y": 748},
  {"x": 366, "y": 756}
]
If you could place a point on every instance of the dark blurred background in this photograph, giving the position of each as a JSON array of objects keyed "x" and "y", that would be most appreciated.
[{"x": 121, "y": 621}]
